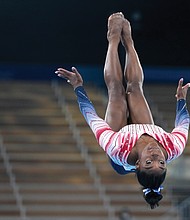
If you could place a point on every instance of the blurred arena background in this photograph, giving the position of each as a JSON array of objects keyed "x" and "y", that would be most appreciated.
[{"x": 50, "y": 164}]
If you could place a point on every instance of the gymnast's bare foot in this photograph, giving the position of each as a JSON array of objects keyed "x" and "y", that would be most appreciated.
[
  {"x": 115, "y": 25},
  {"x": 126, "y": 37}
]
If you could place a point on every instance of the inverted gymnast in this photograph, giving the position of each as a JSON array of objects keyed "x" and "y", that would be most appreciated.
[{"x": 128, "y": 134}]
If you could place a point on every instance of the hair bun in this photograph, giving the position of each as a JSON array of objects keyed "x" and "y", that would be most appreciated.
[{"x": 152, "y": 198}]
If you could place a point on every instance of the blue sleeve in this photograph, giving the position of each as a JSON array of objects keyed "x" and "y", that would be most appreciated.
[
  {"x": 97, "y": 124},
  {"x": 182, "y": 115},
  {"x": 119, "y": 169},
  {"x": 84, "y": 102}
]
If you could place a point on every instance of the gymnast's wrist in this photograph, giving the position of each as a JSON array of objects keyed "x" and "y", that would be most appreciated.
[
  {"x": 77, "y": 85},
  {"x": 181, "y": 99}
]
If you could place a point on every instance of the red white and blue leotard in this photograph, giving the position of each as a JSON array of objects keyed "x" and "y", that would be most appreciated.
[{"x": 118, "y": 145}]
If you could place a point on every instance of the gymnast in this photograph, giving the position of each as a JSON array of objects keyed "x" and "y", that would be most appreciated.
[{"x": 128, "y": 134}]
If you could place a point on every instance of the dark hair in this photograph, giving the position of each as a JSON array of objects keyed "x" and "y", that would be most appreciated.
[{"x": 151, "y": 181}]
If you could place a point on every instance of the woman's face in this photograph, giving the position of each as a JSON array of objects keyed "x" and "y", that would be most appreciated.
[{"x": 152, "y": 158}]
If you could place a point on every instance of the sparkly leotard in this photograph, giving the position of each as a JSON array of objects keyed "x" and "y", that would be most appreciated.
[{"x": 118, "y": 145}]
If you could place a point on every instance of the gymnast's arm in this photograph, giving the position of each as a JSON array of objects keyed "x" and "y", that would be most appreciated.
[
  {"x": 182, "y": 114},
  {"x": 97, "y": 124},
  {"x": 182, "y": 120}
]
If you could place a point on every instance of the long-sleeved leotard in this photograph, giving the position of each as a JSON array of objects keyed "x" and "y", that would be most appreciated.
[{"x": 118, "y": 145}]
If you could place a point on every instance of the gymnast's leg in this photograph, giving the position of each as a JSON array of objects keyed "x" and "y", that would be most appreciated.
[
  {"x": 139, "y": 110},
  {"x": 116, "y": 113}
]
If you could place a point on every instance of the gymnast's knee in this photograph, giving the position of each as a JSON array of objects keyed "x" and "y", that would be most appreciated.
[
  {"x": 134, "y": 87},
  {"x": 116, "y": 89}
]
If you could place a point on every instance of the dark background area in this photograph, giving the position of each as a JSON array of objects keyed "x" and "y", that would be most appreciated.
[{"x": 74, "y": 32}]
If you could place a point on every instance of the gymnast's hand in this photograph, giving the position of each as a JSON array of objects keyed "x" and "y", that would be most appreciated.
[
  {"x": 74, "y": 78},
  {"x": 181, "y": 92}
]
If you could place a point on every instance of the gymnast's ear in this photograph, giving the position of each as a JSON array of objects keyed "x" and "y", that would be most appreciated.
[{"x": 137, "y": 164}]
